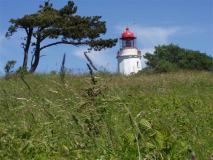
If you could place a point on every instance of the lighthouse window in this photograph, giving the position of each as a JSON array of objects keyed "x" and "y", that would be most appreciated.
[
  {"x": 127, "y": 43},
  {"x": 137, "y": 64}
]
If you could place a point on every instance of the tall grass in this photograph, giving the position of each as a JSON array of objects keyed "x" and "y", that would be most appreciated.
[{"x": 154, "y": 116}]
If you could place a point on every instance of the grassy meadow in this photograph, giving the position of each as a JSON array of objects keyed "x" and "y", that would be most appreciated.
[{"x": 142, "y": 116}]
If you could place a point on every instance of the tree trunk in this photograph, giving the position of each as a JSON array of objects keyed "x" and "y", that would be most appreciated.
[
  {"x": 35, "y": 57},
  {"x": 26, "y": 49}
]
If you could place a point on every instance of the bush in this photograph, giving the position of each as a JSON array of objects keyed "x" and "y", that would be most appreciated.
[
  {"x": 146, "y": 70},
  {"x": 9, "y": 66},
  {"x": 53, "y": 73},
  {"x": 21, "y": 71},
  {"x": 172, "y": 58},
  {"x": 165, "y": 66}
]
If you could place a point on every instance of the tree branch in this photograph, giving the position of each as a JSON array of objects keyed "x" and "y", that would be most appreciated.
[
  {"x": 26, "y": 30},
  {"x": 32, "y": 59},
  {"x": 73, "y": 43},
  {"x": 42, "y": 56},
  {"x": 43, "y": 27}
]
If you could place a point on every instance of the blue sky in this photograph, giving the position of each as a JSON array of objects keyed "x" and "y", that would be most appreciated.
[{"x": 187, "y": 23}]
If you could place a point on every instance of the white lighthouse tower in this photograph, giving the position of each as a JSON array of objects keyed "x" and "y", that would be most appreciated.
[{"x": 129, "y": 57}]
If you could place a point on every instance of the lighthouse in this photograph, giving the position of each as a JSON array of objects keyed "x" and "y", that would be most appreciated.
[{"x": 129, "y": 57}]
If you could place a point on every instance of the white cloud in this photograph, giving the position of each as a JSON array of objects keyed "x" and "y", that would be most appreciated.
[
  {"x": 154, "y": 36},
  {"x": 150, "y": 50},
  {"x": 151, "y": 36}
]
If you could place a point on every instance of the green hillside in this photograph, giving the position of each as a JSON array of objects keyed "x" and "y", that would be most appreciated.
[{"x": 152, "y": 116}]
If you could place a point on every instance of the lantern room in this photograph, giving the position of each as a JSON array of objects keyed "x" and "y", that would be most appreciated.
[{"x": 128, "y": 39}]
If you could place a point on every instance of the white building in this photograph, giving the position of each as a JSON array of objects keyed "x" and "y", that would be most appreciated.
[{"x": 129, "y": 57}]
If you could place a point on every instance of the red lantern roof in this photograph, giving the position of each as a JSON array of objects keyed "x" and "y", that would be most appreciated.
[{"x": 128, "y": 34}]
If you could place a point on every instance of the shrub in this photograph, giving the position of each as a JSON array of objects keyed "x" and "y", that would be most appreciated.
[
  {"x": 165, "y": 66},
  {"x": 9, "y": 66},
  {"x": 21, "y": 71},
  {"x": 172, "y": 57}
]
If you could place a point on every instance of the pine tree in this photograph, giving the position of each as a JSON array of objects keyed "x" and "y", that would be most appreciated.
[{"x": 61, "y": 25}]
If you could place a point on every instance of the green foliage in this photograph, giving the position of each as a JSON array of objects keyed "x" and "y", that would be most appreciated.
[
  {"x": 165, "y": 66},
  {"x": 21, "y": 71},
  {"x": 9, "y": 66},
  {"x": 172, "y": 58},
  {"x": 146, "y": 70},
  {"x": 62, "y": 25},
  {"x": 161, "y": 144},
  {"x": 53, "y": 72},
  {"x": 154, "y": 116}
]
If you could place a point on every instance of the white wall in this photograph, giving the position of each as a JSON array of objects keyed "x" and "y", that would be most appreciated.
[
  {"x": 129, "y": 64},
  {"x": 129, "y": 51}
]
